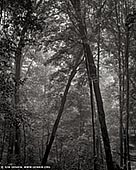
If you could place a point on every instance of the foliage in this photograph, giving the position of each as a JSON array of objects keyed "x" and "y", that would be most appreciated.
[{"x": 50, "y": 48}]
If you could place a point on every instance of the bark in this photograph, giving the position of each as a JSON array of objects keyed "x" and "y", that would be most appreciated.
[
  {"x": 3, "y": 141},
  {"x": 92, "y": 110},
  {"x": 42, "y": 141},
  {"x": 121, "y": 115},
  {"x": 118, "y": 18},
  {"x": 18, "y": 57},
  {"x": 17, "y": 126},
  {"x": 99, "y": 35},
  {"x": 39, "y": 151},
  {"x": 98, "y": 135},
  {"x": 127, "y": 96},
  {"x": 24, "y": 147},
  {"x": 81, "y": 131},
  {"x": 125, "y": 150},
  {"x": 10, "y": 145},
  {"x": 63, "y": 101}
]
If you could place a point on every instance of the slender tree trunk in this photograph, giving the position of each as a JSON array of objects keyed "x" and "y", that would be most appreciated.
[
  {"x": 120, "y": 111},
  {"x": 99, "y": 37},
  {"x": 127, "y": 96},
  {"x": 125, "y": 150},
  {"x": 39, "y": 151},
  {"x": 3, "y": 140},
  {"x": 10, "y": 145},
  {"x": 118, "y": 18},
  {"x": 63, "y": 101},
  {"x": 42, "y": 141},
  {"x": 17, "y": 126},
  {"x": 24, "y": 147},
  {"x": 80, "y": 132},
  {"x": 99, "y": 150},
  {"x": 98, "y": 136},
  {"x": 92, "y": 110},
  {"x": 93, "y": 124}
]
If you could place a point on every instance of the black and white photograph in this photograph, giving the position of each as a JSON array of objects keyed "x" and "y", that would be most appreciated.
[{"x": 68, "y": 84}]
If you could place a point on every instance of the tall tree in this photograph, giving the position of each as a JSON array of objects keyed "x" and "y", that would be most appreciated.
[
  {"x": 93, "y": 75},
  {"x": 118, "y": 20},
  {"x": 17, "y": 21},
  {"x": 63, "y": 100},
  {"x": 93, "y": 115}
]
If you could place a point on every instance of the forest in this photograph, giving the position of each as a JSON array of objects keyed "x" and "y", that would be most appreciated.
[{"x": 68, "y": 84}]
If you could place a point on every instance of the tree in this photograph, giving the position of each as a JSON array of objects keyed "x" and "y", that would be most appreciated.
[
  {"x": 93, "y": 75},
  {"x": 17, "y": 21},
  {"x": 44, "y": 161}
]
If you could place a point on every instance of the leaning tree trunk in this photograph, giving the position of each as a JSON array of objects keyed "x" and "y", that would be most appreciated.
[
  {"x": 63, "y": 101},
  {"x": 93, "y": 76},
  {"x": 101, "y": 114},
  {"x": 98, "y": 135}
]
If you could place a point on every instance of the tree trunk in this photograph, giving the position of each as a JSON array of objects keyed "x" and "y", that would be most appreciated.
[
  {"x": 18, "y": 58},
  {"x": 17, "y": 126},
  {"x": 3, "y": 140},
  {"x": 63, "y": 101},
  {"x": 92, "y": 110},
  {"x": 121, "y": 116},
  {"x": 101, "y": 114},
  {"x": 98, "y": 135},
  {"x": 118, "y": 18},
  {"x": 103, "y": 126},
  {"x": 125, "y": 150},
  {"x": 10, "y": 145},
  {"x": 127, "y": 96},
  {"x": 93, "y": 76},
  {"x": 24, "y": 147}
]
